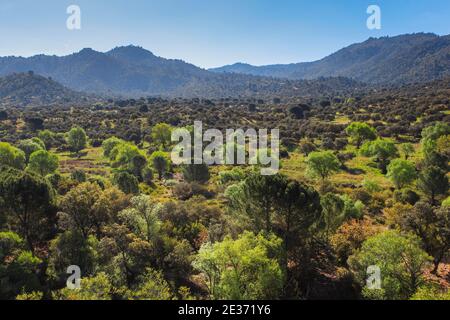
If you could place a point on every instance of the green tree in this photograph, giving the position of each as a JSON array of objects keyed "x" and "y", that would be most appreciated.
[
  {"x": 71, "y": 248},
  {"x": 137, "y": 165},
  {"x": 48, "y": 137},
  {"x": 151, "y": 286},
  {"x": 84, "y": 209},
  {"x": 11, "y": 156},
  {"x": 266, "y": 203},
  {"x": 443, "y": 145},
  {"x": 196, "y": 173},
  {"x": 147, "y": 174},
  {"x": 18, "y": 267},
  {"x": 160, "y": 162},
  {"x": 123, "y": 153},
  {"x": 77, "y": 139},
  {"x": 39, "y": 142},
  {"x": 297, "y": 208},
  {"x": 430, "y": 135},
  {"x": 95, "y": 288},
  {"x": 126, "y": 156},
  {"x": 162, "y": 134},
  {"x": 43, "y": 162},
  {"x": 29, "y": 146},
  {"x": 142, "y": 217},
  {"x": 401, "y": 260},
  {"x": 432, "y": 225},
  {"x": 322, "y": 164},
  {"x": 433, "y": 181},
  {"x": 27, "y": 202},
  {"x": 124, "y": 255},
  {"x": 407, "y": 149},
  {"x": 126, "y": 182},
  {"x": 352, "y": 209},
  {"x": 332, "y": 212},
  {"x": 336, "y": 210},
  {"x": 401, "y": 172},
  {"x": 360, "y": 132},
  {"x": 254, "y": 200},
  {"x": 244, "y": 269},
  {"x": 109, "y": 144},
  {"x": 382, "y": 150}
]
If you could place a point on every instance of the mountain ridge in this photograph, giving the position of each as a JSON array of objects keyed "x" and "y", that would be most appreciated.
[
  {"x": 400, "y": 59},
  {"x": 133, "y": 71}
]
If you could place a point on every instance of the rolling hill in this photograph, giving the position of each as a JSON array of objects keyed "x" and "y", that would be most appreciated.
[{"x": 26, "y": 89}]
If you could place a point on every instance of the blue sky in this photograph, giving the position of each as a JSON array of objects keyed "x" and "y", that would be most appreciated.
[{"x": 212, "y": 33}]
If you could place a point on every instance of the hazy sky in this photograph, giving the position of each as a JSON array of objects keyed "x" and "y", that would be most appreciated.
[{"x": 212, "y": 33}]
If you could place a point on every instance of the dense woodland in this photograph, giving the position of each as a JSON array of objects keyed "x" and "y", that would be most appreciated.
[{"x": 363, "y": 182}]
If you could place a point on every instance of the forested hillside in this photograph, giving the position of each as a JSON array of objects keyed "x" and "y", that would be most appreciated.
[
  {"x": 363, "y": 182},
  {"x": 28, "y": 89},
  {"x": 409, "y": 58}
]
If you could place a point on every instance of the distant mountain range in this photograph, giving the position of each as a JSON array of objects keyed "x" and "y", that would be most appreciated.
[
  {"x": 420, "y": 57},
  {"x": 134, "y": 71},
  {"x": 125, "y": 70},
  {"x": 29, "y": 89}
]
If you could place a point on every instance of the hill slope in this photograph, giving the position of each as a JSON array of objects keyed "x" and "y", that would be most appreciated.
[
  {"x": 23, "y": 89},
  {"x": 389, "y": 60}
]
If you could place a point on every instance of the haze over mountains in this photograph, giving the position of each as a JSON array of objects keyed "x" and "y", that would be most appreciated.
[
  {"x": 122, "y": 70},
  {"x": 389, "y": 60},
  {"x": 134, "y": 71}
]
